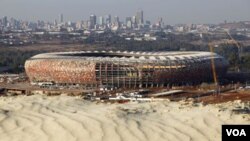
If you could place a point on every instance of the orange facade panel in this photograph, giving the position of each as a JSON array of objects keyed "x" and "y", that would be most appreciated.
[{"x": 61, "y": 71}]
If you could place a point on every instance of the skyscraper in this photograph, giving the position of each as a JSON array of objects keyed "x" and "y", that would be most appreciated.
[
  {"x": 92, "y": 21},
  {"x": 108, "y": 19},
  {"x": 128, "y": 19},
  {"x": 101, "y": 20},
  {"x": 139, "y": 17},
  {"x": 5, "y": 21},
  {"x": 129, "y": 22},
  {"x": 61, "y": 18},
  {"x": 116, "y": 21},
  {"x": 134, "y": 19}
]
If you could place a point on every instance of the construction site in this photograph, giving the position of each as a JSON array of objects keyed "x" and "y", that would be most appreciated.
[
  {"x": 123, "y": 69},
  {"x": 127, "y": 76}
]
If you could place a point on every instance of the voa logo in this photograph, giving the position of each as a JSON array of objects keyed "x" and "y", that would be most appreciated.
[{"x": 236, "y": 132}]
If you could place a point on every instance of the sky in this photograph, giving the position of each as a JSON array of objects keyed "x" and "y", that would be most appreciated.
[{"x": 172, "y": 11}]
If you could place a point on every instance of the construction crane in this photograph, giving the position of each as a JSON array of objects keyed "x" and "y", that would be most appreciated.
[
  {"x": 215, "y": 79},
  {"x": 213, "y": 64},
  {"x": 235, "y": 42}
]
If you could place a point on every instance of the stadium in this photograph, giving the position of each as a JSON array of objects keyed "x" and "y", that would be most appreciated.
[{"x": 124, "y": 69}]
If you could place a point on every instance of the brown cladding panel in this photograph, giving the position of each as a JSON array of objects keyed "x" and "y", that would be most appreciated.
[{"x": 61, "y": 71}]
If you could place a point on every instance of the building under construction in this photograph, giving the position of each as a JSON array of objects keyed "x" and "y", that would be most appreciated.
[{"x": 124, "y": 69}]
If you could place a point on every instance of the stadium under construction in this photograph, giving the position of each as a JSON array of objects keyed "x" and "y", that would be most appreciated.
[{"x": 124, "y": 69}]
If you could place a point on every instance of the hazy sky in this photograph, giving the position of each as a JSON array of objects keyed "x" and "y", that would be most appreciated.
[{"x": 172, "y": 11}]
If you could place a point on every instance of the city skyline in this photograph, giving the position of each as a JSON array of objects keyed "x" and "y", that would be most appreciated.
[{"x": 172, "y": 12}]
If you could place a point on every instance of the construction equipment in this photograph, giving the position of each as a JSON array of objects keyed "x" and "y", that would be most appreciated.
[
  {"x": 235, "y": 42},
  {"x": 212, "y": 64},
  {"x": 215, "y": 79}
]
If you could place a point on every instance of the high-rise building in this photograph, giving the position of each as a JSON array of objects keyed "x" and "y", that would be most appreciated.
[
  {"x": 79, "y": 25},
  {"x": 116, "y": 21},
  {"x": 139, "y": 17},
  {"x": 85, "y": 24},
  {"x": 134, "y": 19},
  {"x": 61, "y": 18},
  {"x": 108, "y": 19},
  {"x": 101, "y": 20},
  {"x": 128, "y": 22},
  {"x": 13, "y": 23},
  {"x": 92, "y": 21},
  {"x": 55, "y": 22},
  {"x": 160, "y": 22},
  {"x": 128, "y": 19},
  {"x": 5, "y": 21}
]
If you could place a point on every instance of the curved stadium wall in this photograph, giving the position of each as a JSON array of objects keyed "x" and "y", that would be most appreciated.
[{"x": 124, "y": 69}]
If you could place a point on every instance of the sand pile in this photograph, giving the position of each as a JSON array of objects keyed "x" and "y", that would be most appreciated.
[{"x": 63, "y": 118}]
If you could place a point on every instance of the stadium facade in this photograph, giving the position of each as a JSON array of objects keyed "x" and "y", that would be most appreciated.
[{"x": 124, "y": 69}]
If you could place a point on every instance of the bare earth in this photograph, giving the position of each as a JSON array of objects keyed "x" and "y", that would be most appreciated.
[{"x": 64, "y": 118}]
